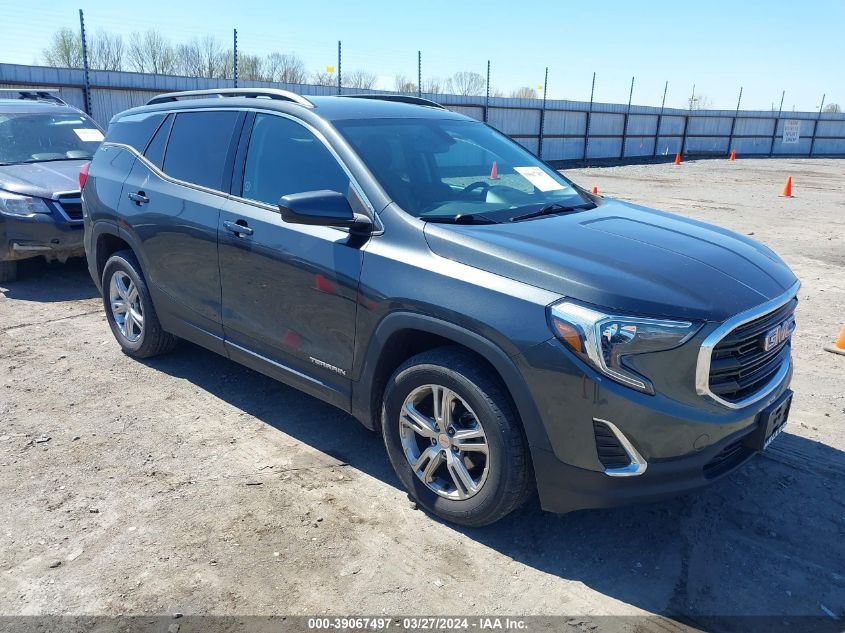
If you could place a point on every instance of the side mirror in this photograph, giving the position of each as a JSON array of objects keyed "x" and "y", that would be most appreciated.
[{"x": 321, "y": 208}]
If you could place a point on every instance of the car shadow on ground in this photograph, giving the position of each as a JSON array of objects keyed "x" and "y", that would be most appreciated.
[
  {"x": 52, "y": 282},
  {"x": 766, "y": 542}
]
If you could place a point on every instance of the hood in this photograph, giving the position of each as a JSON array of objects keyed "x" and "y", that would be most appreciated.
[
  {"x": 627, "y": 258},
  {"x": 41, "y": 179}
]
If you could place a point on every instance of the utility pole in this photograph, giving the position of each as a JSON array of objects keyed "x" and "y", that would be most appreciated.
[
  {"x": 487, "y": 98},
  {"x": 660, "y": 118},
  {"x": 235, "y": 58},
  {"x": 816, "y": 126},
  {"x": 627, "y": 118},
  {"x": 339, "y": 78},
  {"x": 87, "y": 88},
  {"x": 419, "y": 73},
  {"x": 589, "y": 116},
  {"x": 775, "y": 126},
  {"x": 733, "y": 122},
  {"x": 543, "y": 116}
]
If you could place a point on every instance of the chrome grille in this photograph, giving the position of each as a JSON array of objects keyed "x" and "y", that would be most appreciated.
[{"x": 740, "y": 366}]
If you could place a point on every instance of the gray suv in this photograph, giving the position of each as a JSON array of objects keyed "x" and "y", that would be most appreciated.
[
  {"x": 43, "y": 144},
  {"x": 503, "y": 329}
]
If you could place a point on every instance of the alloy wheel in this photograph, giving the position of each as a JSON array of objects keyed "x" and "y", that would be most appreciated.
[
  {"x": 126, "y": 308},
  {"x": 444, "y": 442}
]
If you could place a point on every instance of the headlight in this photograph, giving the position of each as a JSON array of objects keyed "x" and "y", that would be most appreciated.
[
  {"x": 25, "y": 206},
  {"x": 605, "y": 340}
]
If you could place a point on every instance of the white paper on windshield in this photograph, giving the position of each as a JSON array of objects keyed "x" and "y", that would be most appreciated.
[
  {"x": 538, "y": 178},
  {"x": 88, "y": 134}
]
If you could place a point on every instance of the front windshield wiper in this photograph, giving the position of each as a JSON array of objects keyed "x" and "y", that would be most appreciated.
[
  {"x": 551, "y": 209},
  {"x": 461, "y": 218}
]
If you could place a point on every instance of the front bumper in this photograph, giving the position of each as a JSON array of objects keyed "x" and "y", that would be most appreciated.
[
  {"x": 686, "y": 445},
  {"x": 43, "y": 234},
  {"x": 565, "y": 488}
]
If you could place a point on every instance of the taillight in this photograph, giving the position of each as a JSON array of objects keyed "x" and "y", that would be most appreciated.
[{"x": 83, "y": 175}]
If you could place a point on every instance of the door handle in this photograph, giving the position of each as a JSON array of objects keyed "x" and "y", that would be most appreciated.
[
  {"x": 238, "y": 228},
  {"x": 138, "y": 197}
]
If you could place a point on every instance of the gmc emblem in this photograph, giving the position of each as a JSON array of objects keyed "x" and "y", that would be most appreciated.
[{"x": 778, "y": 334}]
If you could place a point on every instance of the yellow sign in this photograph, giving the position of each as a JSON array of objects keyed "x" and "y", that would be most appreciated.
[
  {"x": 329, "y": 69},
  {"x": 539, "y": 87}
]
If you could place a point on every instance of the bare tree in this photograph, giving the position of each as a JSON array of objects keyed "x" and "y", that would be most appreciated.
[
  {"x": 402, "y": 84},
  {"x": 699, "y": 102},
  {"x": 201, "y": 57},
  {"x": 285, "y": 68},
  {"x": 227, "y": 67},
  {"x": 65, "y": 50},
  {"x": 251, "y": 67},
  {"x": 524, "y": 92},
  {"x": 324, "y": 78},
  {"x": 433, "y": 85},
  {"x": 832, "y": 107},
  {"x": 467, "y": 83},
  {"x": 360, "y": 79},
  {"x": 149, "y": 52},
  {"x": 106, "y": 51}
]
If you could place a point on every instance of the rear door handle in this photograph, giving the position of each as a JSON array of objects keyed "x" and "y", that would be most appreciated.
[
  {"x": 138, "y": 197},
  {"x": 238, "y": 228}
]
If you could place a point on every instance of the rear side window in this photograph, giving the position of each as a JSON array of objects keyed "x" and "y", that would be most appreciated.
[
  {"x": 135, "y": 130},
  {"x": 198, "y": 147},
  {"x": 155, "y": 150},
  {"x": 284, "y": 157}
]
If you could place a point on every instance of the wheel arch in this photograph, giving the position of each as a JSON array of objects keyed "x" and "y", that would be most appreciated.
[
  {"x": 401, "y": 335},
  {"x": 107, "y": 239}
]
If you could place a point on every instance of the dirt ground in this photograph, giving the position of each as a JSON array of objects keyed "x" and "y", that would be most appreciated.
[{"x": 189, "y": 484}]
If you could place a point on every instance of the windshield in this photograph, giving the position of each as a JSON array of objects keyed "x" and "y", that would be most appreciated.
[
  {"x": 440, "y": 168},
  {"x": 30, "y": 137}
]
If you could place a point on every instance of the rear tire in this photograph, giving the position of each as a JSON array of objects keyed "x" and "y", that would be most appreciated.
[
  {"x": 129, "y": 308},
  {"x": 480, "y": 437},
  {"x": 8, "y": 271}
]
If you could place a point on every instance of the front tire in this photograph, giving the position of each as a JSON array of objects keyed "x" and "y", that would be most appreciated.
[
  {"x": 454, "y": 439},
  {"x": 129, "y": 308}
]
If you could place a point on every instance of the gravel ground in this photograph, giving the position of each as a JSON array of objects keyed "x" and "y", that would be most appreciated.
[{"x": 190, "y": 484}]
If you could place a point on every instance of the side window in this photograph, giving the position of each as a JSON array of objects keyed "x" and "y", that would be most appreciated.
[
  {"x": 135, "y": 130},
  {"x": 198, "y": 147},
  {"x": 155, "y": 150},
  {"x": 285, "y": 157}
]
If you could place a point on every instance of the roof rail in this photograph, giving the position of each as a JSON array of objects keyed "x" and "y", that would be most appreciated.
[
  {"x": 400, "y": 99},
  {"x": 255, "y": 93},
  {"x": 34, "y": 94}
]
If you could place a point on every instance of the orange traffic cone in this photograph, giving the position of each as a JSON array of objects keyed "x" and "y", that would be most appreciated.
[
  {"x": 733, "y": 155},
  {"x": 839, "y": 346},
  {"x": 595, "y": 190},
  {"x": 494, "y": 173},
  {"x": 787, "y": 189},
  {"x": 678, "y": 158}
]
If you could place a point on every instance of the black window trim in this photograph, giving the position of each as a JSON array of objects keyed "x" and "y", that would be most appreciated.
[
  {"x": 155, "y": 131},
  {"x": 184, "y": 183},
  {"x": 239, "y": 160},
  {"x": 230, "y": 152},
  {"x": 168, "y": 120}
]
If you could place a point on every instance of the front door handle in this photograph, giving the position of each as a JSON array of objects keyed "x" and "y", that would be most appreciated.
[
  {"x": 238, "y": 228},
  {"x": 138, "y": 197}
]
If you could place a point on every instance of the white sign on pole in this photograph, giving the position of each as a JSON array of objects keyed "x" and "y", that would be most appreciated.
[{"x": 791, "y": 131}]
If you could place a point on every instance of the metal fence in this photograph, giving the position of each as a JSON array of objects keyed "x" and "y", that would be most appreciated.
[{"x": 556, "y": 130}]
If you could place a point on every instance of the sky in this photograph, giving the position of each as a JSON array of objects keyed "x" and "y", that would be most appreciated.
[{"x": 715, "y": 45}]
